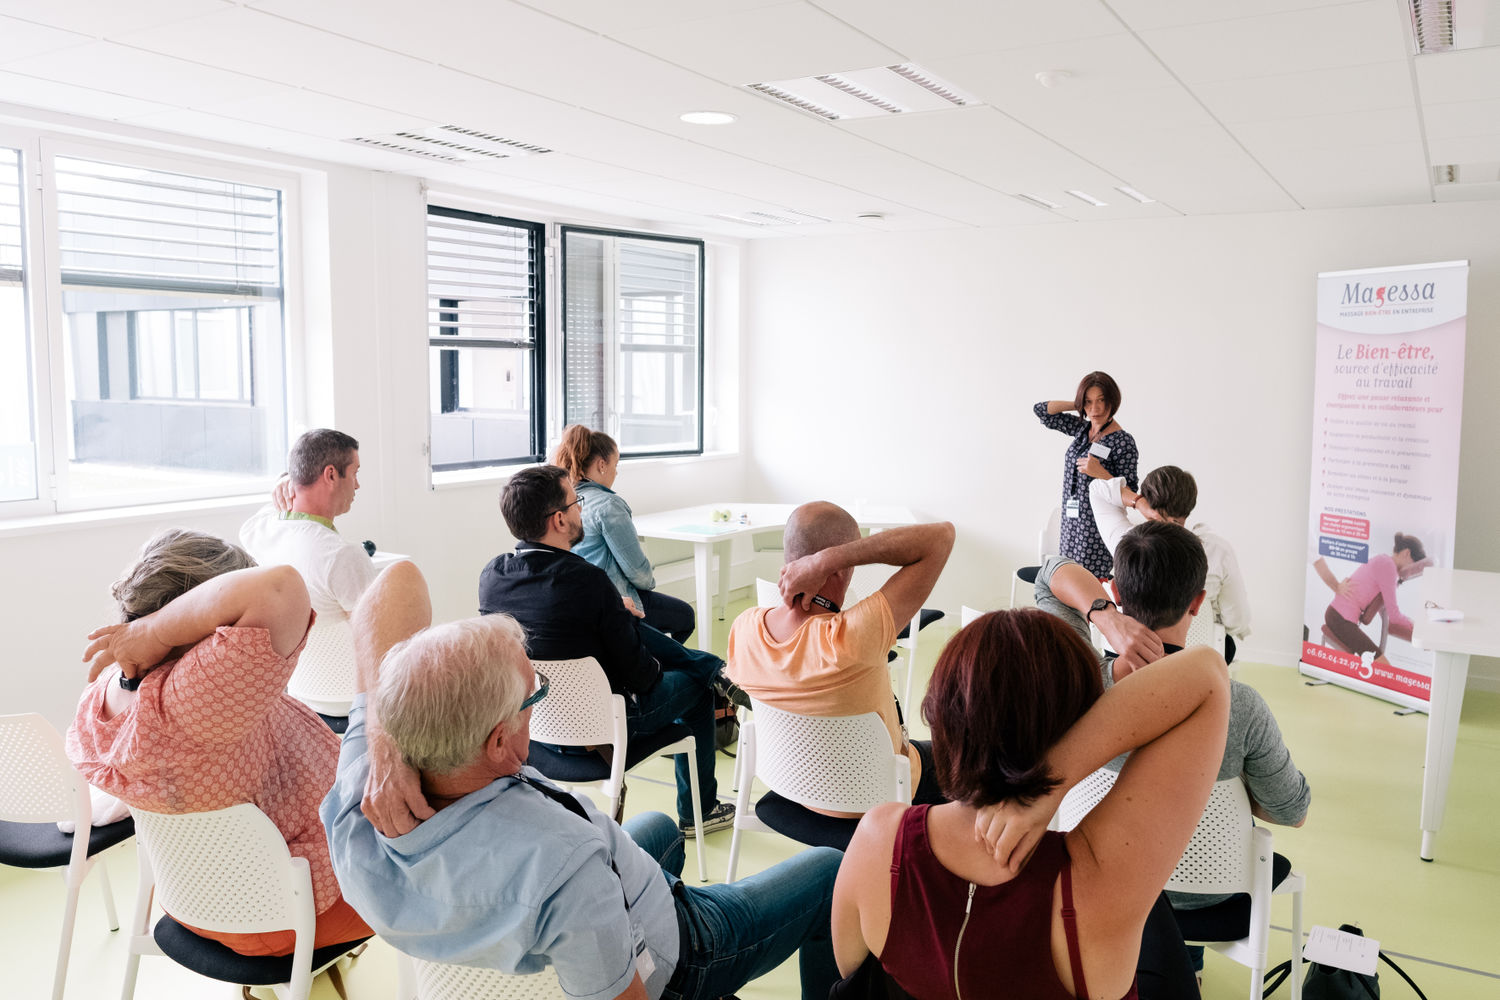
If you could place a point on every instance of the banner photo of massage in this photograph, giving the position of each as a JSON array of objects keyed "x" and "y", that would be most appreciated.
[{"x": 1387, "y": 408}]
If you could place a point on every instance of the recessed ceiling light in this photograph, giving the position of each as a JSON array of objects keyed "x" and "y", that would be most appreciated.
[
  {"x": 1131, "y": 192},
  {"x": 1086, "y": 198},
  {"x": 708, "y": 118},
  {"x": 1038, "y": 202}
]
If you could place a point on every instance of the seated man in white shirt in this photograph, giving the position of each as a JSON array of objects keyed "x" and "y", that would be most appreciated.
[
  {"x": 296, "y": 528},
  {"x": 1170, "y": 494}
]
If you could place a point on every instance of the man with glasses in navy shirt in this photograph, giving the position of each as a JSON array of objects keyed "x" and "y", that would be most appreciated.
[{"x": 454, "y": 851}]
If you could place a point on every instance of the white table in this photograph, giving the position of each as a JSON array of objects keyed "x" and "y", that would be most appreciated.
[
  {"x": 1477, "y": 595},
  {"x": 708, "y": 537}
]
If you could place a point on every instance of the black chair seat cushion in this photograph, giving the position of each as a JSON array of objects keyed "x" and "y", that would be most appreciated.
[
  {"x": 1229, "y": 920},
  {"x": 802, "y": 824},
  {"x": 571, "y": 767},
  {"x": 42, "y": 845},
  {"x": 338, "y": 723},
  {"x": 925, "y": 618},
  {"x": 1028, "y": 573},
  {"x": 216, "y": 960}
]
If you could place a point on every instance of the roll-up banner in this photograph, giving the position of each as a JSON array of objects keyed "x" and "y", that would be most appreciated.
[{"x": 1387, "y": 405}]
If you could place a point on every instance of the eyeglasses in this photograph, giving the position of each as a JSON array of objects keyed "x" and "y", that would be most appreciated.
[
  {"x": 564, "y": 508},
  {"x": 541, "y": 692}
]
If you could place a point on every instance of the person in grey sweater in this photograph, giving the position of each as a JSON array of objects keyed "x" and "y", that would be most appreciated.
[{"x": 1159, "y": 573}]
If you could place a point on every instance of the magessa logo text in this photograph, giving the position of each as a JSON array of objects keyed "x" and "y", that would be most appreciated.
[{"x": 1358, "y": 294}]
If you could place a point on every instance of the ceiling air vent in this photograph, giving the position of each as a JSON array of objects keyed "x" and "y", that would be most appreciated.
[
  {"x": 452, "y": 143},
  {"x": 1432, "y": 24},
  {"x": 867, "y": 93}
]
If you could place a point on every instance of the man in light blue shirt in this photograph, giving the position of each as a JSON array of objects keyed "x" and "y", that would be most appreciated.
[{"x": 482, "y": 862}]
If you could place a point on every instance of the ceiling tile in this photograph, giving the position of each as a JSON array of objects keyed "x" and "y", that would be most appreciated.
[
  {"x": 317, "y": 114},
  {"x": 216, "y": 127},
  {"x": 1467, "y": 118},
  {"x": 1358, "y": 128},
  {"x": 609, "y": 17},
  {"x": 102, "y": 18},
  {"x": 939, "y": 28},
  {"x": 1351, "y": 34},
  {"x": 1094, "y": 66},
  {"x": 1463, "y": 75},
  {"x": 769, "y": 43},
  {"x": 1468, "y": 149},
  {"x": 69, "y": 99},
  {"x": 19, "y": 39},
  {"x": 1350, "y": 176},
  {"x": 1145, "y": 14},
  {"x": 1313, "y": 92},
  {"x": 134, "y": 73},
  {"x": 1197, "y": 171}
]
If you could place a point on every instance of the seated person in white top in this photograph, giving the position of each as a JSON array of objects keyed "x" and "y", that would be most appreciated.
[
  {"x": 296, "y": 528},
  {"x": 1170, "y": 494}
]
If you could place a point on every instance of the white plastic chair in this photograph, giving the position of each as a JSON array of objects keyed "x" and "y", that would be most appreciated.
[
  {"x": 422, "y": 980},
  {"x": 1048, "y": 541},
  {"x": 227, "y": 871},
  {"x": 967, "y": 614},
  {"x": 1084, "y": 796},
  {"x": 324, "y": 678},
  {"x": 842, "y": 764},
  {"x": 581, "y": 711},
  {"x": 1228, "y": 853},
  {"x": 38, "y": 789}
]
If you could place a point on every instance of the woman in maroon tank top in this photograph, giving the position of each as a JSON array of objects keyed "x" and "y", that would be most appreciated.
[{"x": 1017, "y": 719}]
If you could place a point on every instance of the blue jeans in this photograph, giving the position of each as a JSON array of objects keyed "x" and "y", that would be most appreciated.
[
  {"x": 684, "y": 694},
  {"x": 668, "y": 614},
  {"x": 735, "y": 933}
]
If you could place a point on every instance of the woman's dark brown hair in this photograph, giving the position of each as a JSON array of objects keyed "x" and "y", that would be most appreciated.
[
  {"x": 579, "y": 448},
  {"x": 1106, "y": 385},
  {"x": 1413, "y": 546},
  {"x": 1004, "y": 691}
]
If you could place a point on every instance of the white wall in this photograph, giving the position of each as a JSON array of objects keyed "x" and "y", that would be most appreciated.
[
  {"x": 903, "y": 368},
  {"x": 362, "y": 363}
]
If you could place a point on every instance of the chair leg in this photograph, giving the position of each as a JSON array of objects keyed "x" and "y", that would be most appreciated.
[
  {"x": 692, "y": 759},
  {"x": 1297, "y": 945},
  {"x": 739, "y": 758},
  {"x": 1257, "y": 982},
  {"x": 65, "y": 944},
  {"x": 140, "y": 923},
  {"x": 109, "y": 896},
  {"x": 734, "y": 850}
]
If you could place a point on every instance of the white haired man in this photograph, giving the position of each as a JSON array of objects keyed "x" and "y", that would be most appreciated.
[{"x": 455, "y": 851}]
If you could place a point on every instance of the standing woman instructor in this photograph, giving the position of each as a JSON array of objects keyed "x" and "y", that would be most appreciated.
[
  {"x": 592, "y": 461},
  {"x": 1100, "y": 450}
]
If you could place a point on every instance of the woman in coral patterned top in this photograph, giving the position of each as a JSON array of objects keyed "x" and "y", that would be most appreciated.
[{"x": 211, "y": 640}]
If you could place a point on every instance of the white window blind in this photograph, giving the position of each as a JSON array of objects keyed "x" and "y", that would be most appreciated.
[
  {"x": 18, "y": 479},
  {"x": 130, "y": 227},
  {"x": 484, "y": 309},
  {"x": 10, "y": 216}
]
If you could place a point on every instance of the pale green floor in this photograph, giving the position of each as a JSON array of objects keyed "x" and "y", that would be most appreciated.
[{"x": 1358, "y": 851}]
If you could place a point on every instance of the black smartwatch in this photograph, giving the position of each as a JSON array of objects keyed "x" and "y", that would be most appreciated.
[{"x": 1100, "y": 603}]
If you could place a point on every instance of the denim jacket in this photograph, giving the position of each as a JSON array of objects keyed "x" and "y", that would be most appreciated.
[{"x": 610, "y": 541}]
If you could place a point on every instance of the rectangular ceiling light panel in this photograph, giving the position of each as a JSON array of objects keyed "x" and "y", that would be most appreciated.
[{"x": 867, "y": 93}]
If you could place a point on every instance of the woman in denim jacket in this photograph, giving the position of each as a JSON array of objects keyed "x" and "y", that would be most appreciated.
[{"x": 592, "y": 461}]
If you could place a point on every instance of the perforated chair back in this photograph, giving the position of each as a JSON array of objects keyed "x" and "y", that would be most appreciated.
[
  {"x": 1204, "y": 631},
  {"x": 228, "y": 870},
  {"x": 580, "y": 709},
  {"x": 1049, "y": 539},
  {"x": 437, "y": 981},
  {"x": 37, "y": 783},
  {"x": 1083, "y": 797},
  {"x": 767, "y": 594},
  {"x": 324, "y": 678},
  {"x": 1219, "y": 858},
  {"x": 843, "y": 764},
  {"x": 38, "y": 788}
]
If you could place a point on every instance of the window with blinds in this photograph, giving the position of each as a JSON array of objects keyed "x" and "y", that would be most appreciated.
[
  {"x": 633, "y": 339},
  {"x": 172, "y": 292},
  {"x": 486, "y": 348},
  {"x": 18, "y": 456}
]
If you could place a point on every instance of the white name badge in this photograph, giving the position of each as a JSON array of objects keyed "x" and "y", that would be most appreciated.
[
  {"x": 644, "y": 963},
  {"x": 1099, "y": 451},
  {"x": 1071, "y": 508}
]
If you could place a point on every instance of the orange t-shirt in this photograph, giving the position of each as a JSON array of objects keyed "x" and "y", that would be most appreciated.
[{"x": 833, "y": 665}]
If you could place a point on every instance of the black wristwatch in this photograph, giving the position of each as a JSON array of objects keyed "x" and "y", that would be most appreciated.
[{"x": 1100, "y": 603}]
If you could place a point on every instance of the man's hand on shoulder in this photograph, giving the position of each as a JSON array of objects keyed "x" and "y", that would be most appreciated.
[
  {"x": 393, "y": 802},
  {"x": 803, "y": 578},
  {"x": 283, "y": 493}
]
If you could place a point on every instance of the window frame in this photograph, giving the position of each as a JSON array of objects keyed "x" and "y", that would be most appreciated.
[
  {"x": 612, "y": 417},
  {"x": 46, "y": 322},
  {"x": 541, "y": 324}
]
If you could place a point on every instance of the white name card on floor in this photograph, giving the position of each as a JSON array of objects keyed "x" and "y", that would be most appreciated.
[{"x": 1342, "y": 950}]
